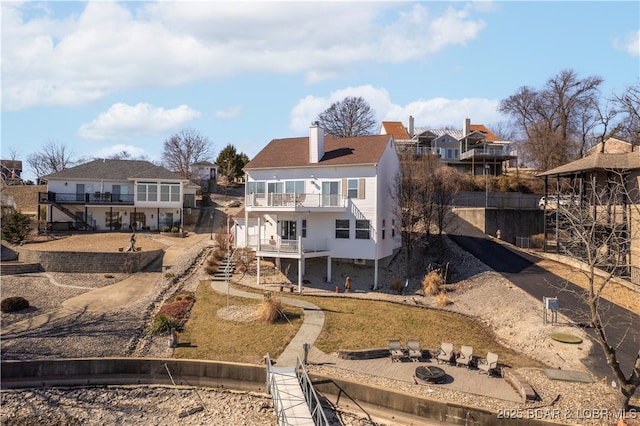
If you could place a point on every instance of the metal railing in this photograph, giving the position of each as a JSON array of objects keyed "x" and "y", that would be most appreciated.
[
  {"x": 86, "y": 198},
  {"x": 294, "y": 200},
  {"x": 523, "y": 242},
  {"x": 485, "y": 152},
  {"x": 310, "y": 395}
]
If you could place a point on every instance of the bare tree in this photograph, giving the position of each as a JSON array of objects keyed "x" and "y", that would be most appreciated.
[
  {"x": 407, "y": 192},
  {"x": 597, "y": 225},
  {"x": 628, "y": 107},
  {"x": 183, "y": 149},
  {"x": 552, "y": 121},
  {"x": 51, "y": 159},
  {"x": 348, "y": 118}
]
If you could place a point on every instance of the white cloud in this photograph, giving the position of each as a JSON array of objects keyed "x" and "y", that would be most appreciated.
[
  {"x": 432, "y": 113},
  {"x": 122, "y": 121},
  {"x": 109, "y": 46},
  {"x": 230, "y": 112},
  {"x": 630, "y": 43}
]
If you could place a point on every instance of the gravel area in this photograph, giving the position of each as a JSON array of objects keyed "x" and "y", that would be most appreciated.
[{"x": 516, "y": 321}]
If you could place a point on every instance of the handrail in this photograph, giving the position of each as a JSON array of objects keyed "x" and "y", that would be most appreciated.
[
  {"x": 310, "y": 395},
  {"x": 272, "y": 389}
]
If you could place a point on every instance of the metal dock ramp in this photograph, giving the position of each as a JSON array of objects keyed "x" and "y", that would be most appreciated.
[{"x": 294, "y": 399}]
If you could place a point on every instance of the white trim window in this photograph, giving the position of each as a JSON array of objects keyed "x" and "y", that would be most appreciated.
[
  {"x": 147, "y": 191},
  {"x": 342, "y": 228},
  {"x": 169, "y": 192},
  {"x": 363, "y": 229}
]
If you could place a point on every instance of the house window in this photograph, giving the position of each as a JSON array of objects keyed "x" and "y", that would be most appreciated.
[
  {"x": 165, "y": 219},
  {"x": 393, "y": 228},
  {"x": 363, "y": 229},
  {"x": 288, "y": 229},
  {"x": 170, "y": 192},
  {"x": 304, "y": 228},
  {"x": 342, "y": 228},
  {"x": 147, "y": 191},
  {"x": 449, "y": 153},
  {"x": 384, "y": 228},
  {"x": 294, "y": 187},
  {"x": 456, "y": 153},
  {"x": 352, "y": 188},
  {"x": 255, "y": 187},
  {"x": 112, "y": 220}
]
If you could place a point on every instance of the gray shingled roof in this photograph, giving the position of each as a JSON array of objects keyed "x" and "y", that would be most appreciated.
[
  {"x": 597, "y": 161},
  {"x": 109, "y": 169}
]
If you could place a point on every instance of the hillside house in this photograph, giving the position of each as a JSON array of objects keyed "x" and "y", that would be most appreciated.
[
  {"x": 320, "y": 196},
  {"x": 115, "y": 195},
  {"x": 473, "y": 149}
]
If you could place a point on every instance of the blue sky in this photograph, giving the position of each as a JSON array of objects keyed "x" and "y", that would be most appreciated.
[{"x": 103, "y": 77}]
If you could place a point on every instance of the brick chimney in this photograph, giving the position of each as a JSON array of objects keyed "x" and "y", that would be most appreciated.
[{"x": 316, "y": 143}]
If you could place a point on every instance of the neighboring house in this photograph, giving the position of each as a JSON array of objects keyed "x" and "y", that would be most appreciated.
[
  {"x": 205, "y": 174},
  {"x": 612, "y": 146},
  {"x": 11, "y": 171},
  {"x": 474, "y": 149},
  {"x": 320, "y": 196},
  {"x": 116, "y": 195},
  {"x": 607, "y": 208}
]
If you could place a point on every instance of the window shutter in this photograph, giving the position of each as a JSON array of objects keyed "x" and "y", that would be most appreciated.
[
  {"x": 361, "y": 188},
  {"x": 344, "y": 188}
]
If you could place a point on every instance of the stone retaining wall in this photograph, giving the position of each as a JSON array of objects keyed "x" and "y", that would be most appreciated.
[
  {"x": 14, "y": 268},
  {"x": 85, "y": 262}
]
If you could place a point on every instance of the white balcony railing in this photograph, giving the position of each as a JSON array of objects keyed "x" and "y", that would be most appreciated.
[
  {"x": 279, "y": 245},
  {"x": 485, "y": 152},
  {"x": 295, "y": 200}
]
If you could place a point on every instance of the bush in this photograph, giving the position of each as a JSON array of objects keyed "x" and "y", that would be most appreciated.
[
  {"x": 185, "y": 295},
  {"x": 432, "y": 283},
  {"x": 14, "y": 304},
  {"x": 177, "y": 310},
  {"x": 169, "y": 275},
  {"x": 175, "y": 229},
  {"x": 396, "y": 285},
  {"x": 537, "y": 241},
  {"x": 270, "y": 311},
  {"x": 15, "y": 227},
  {"x": 163, "y": 324},
  {"x": 108, "y": 275},
  {"x": 165, "y": 228},
  {"x": 442, "y": 299}
]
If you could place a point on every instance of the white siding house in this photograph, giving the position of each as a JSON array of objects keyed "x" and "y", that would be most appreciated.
[
  {"x": 320, "y": 196},
  {"x": 114, "y": 195}
]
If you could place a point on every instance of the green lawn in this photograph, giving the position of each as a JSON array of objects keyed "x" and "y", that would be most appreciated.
[{"x": 349, "y": 324}]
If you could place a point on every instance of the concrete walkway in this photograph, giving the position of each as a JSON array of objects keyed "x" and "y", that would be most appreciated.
[{"x": 309, "y": 330}]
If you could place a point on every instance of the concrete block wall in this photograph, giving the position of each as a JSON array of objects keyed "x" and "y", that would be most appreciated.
[{"x": 84, "y": 262}]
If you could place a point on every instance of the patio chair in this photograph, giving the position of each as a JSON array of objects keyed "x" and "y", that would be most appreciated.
[
  {"x": 444, "y": 352},
  {"x": 488, "y": 365},
  {"x": 414, "y": 349},
  {"x": 466, "y": 355},
  {"x": 395, "y": 350}
]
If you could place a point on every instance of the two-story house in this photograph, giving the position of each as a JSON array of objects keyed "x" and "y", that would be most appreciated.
[
  {"x": 473, "y": 149},
  {"x": 115, "y": 195},
  {"x": 320, "y": 196}
]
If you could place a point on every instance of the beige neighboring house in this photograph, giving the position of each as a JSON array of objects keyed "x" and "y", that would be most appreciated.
[
  {"x": 593, "y": 179},
  {"x": 112, "y": 195}
]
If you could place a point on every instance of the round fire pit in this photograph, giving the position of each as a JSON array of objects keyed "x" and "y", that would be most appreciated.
[{"x": 431, "y": 374}]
